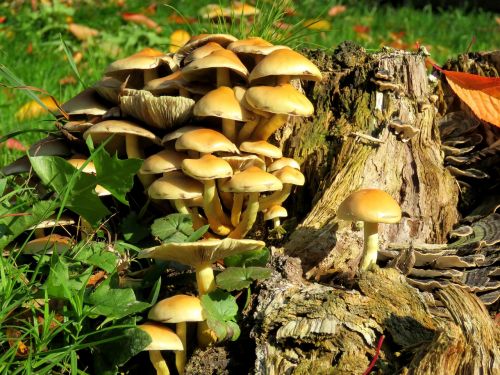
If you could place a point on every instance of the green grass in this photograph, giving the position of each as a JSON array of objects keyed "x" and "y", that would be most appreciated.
[{"x": 446, "y": 33}]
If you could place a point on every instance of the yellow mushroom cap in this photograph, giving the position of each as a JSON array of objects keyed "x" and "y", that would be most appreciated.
[
  {"x": 206, "y": 141},
  {"x": 222, "y": 102},
  {"x": 283, "y": 162},
  {"x": 175, "y": 185},
  {"x": 162, "y": 338},
  {"x": 274, "y": 212},
  {"x": 162, "y": 162},
  {"x": 202, "y": 51},
  {"x": 50, "y": 243},
  {"x": 176, "y": 309},
  {"x": 124, "y": 127},
  {"x": 285, "y": 62},
  {"x": 199, "y": 40},
  {"x": 208, "y": 167},
  {"x": 174, "y": 82},
  {"x": 289, "y": 175},
  {"x": 148, "y": 58},
  {"x": 262, "y": 148},
  {"x": 252, "y": 180},
  {"x": 197, "y": 70},
  {"x": 282, "y": 99},
  {"x": 370, "y": 205}
]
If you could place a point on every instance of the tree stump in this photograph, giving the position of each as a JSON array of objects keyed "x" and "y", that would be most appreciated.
[{"x": 375, "y": 126}]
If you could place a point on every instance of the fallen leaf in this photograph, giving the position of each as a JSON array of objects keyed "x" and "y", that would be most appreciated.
[
  {"x": 177, "y": 39},
  {"x": 361, "y": 29},
  {"x": 337, "y": 9},
  {"x": 14, "y": 144},
  {"x": 282, "y": 25},
  {"x": 151, "y": 9},
  {"x": 68, "y": 80},
  {"x": 32, "y": 109},
  {"x": 211, "y": 11},
  {"x": 497, "y": 20},
  {"x": 95, "y": 278},
  {"x": 29, "y": 48},
  {"x": 82, "y": 32},
  {"x": 481, "y": 94},
  {"x": 13, "y": 338},
  {"x": 289, "y": 12},
  {"x": 180, "y": 20},
  {"x": 397, "y": 35},
  {"x": 141, "y": 19},
  {"x": 317, "y": 24},
  {"x": 77, "y": 57},
  {"x": 3, "y": 19}
]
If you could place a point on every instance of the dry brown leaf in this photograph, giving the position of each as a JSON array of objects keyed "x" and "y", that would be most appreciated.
[
  {"x": 141, "y": 19},
  {"x": 82, "y": 32},
  {"x": 337, "y": 9},
  {"x": 481, "y": 94},
  {"x": 68, "y": 80},
  {"x": 13, "y": 338},
  {"x": 180, "y": 20},
  {"x": 32, "y": 109},
  {"x": 177, "y": 39}
]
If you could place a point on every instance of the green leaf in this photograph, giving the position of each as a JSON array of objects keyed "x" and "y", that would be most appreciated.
[
  {"x": 133, "y": 229},
  {"x": 257, "y": 258},
  {"x": 59, "y": 284},
  {"x": 221, "y": 308},
  {"x": 173, "y": 228},
  {"x": 96, "y": 254},
  {"x": 114, "y": 302},
  {"x": 114, "y": 174},
  {"x": 75, "y": 189},
  {"x": 125, "y": 343},
  {"x": 13, "y": 226},
  {"x": 198, "y": 233},
  {"x": 236, "y": 278}
]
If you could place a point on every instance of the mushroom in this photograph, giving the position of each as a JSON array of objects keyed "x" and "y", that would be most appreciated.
[
  {"x": 280, "y": 101},
  {"x": 251, "y": 181},
  {"x": 201, "y": 255},
  {"x": 175, "y": 84},
  {"x": 162, "y": 162},
  {"x": 199, "y": 40},
  {"x": 372, "y": 206},
  {"x": 288, "y": 176},
  {"x": 274, "y": 213},
  {"x": 262, "y": 148},
  {"x": 86, "y": 103},
  {"x": 252, "y": 50},
  {"x": 207, "y": 169},
  {"x": 162, "y": 338},
  {"x": 78, "y": 163},
  {"x": 48, "y": 244},
  {"x": 283, "y": 162},
  {"x": 178, "y": 309}
]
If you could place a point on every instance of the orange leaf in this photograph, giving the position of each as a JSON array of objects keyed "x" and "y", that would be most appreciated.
[
  {"x": 317, "y": 24},
  {"x": 177, "y": 39},
  {"x": 68, "y": 80},
  {"x": 32, "y": 109},
  {"x": 141, "y": 19},
  {"x": 361, "y": 29},
  {"x": 481, "y": 94},
  {"x": 14, "y": 144},
  {"x": 82, "y": 32},
  {"x": 3, "y": 19},
  {"x": 337, "y": 9},
  {"x": 179, "y": 20}
]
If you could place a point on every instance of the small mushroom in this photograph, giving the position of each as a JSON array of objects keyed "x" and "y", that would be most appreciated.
[
  {"x": 372, "y": 206},
  {"x": 288, "y": 176}
]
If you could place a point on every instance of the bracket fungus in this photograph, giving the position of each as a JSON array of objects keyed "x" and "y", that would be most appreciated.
[{"x": 372, "y": 206}]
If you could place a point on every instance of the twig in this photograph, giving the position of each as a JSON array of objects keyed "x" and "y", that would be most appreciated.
[{"x": 377, "y": 352}]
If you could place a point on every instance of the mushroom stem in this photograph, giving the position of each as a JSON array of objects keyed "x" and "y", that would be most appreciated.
[
  {"x": 281, "y": 80},
  {"x": 134, "y": 151},
  {"x": 205, "y": 278},
  {"x": 265, "y": 129},
  {"x": 247, "y": 130},
  {"x": 248, "y": 218},
  {"x": 205, "y": 335},
  {"x": 183, "y": 92},
  {"x": 150, "y": 74},
  {"x": 276, "y": 222},
  {"x": 158, "y": 362},
  {"x": 229, "y": 129},
  {"x": 181, "y": 207},
  {"x": 236, "y": 210},
  {"x": 277, "y": 197},
  {"x": 210, "y": 201},
  {"x": 223, "y": 77},
  {"x": 370, "y": 247},
  {"x": 180, "y": 355}
]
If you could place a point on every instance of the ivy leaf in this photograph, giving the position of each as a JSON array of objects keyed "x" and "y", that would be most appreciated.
[
  {"x": 96, "y": 254},
  {"x": 220, "y": 309},
  {"x": 12, "y": 226},
  {"x": 256, "y": 258},
  {"x": 116, "y": 175},
  {"x": 133, "y": 229},
  {"x": 173, "y": 228},
  {"x": 236, "y": 278},
  {"x": 74, "y": 188},
  {"x": 124, "y": 343},
  {"x": 114, "y": 302},
  {"x": 59, "y": 284}
]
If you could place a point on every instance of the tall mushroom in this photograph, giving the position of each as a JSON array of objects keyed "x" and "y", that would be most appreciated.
[
  {"x": 288, "y": 176},
  {"x": 372, "y": 206}
]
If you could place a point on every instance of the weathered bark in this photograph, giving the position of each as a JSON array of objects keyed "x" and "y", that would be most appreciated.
[
  {"x": 337, "y": 157},
  {"x": 308, "y": 328}
]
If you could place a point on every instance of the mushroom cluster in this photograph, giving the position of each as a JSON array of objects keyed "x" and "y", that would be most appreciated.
[{"x": 201, "y": 119}]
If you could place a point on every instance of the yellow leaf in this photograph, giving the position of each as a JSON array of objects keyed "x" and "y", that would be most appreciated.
[
  {"x": 317, "y": 24},
  {"x": 33, "y": 109},
  {"x": 177, "y": 39}
]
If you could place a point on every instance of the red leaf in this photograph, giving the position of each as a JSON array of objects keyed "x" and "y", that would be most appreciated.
[
  {"x": 361, "y": 29},
  {"x": 481, "y": 94},
  {"x": 14, "y": 144},
  {"x": 337, "y": 9},
  {"x": 3, "y": 19},
  {"x": 141, "y": 19}
]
